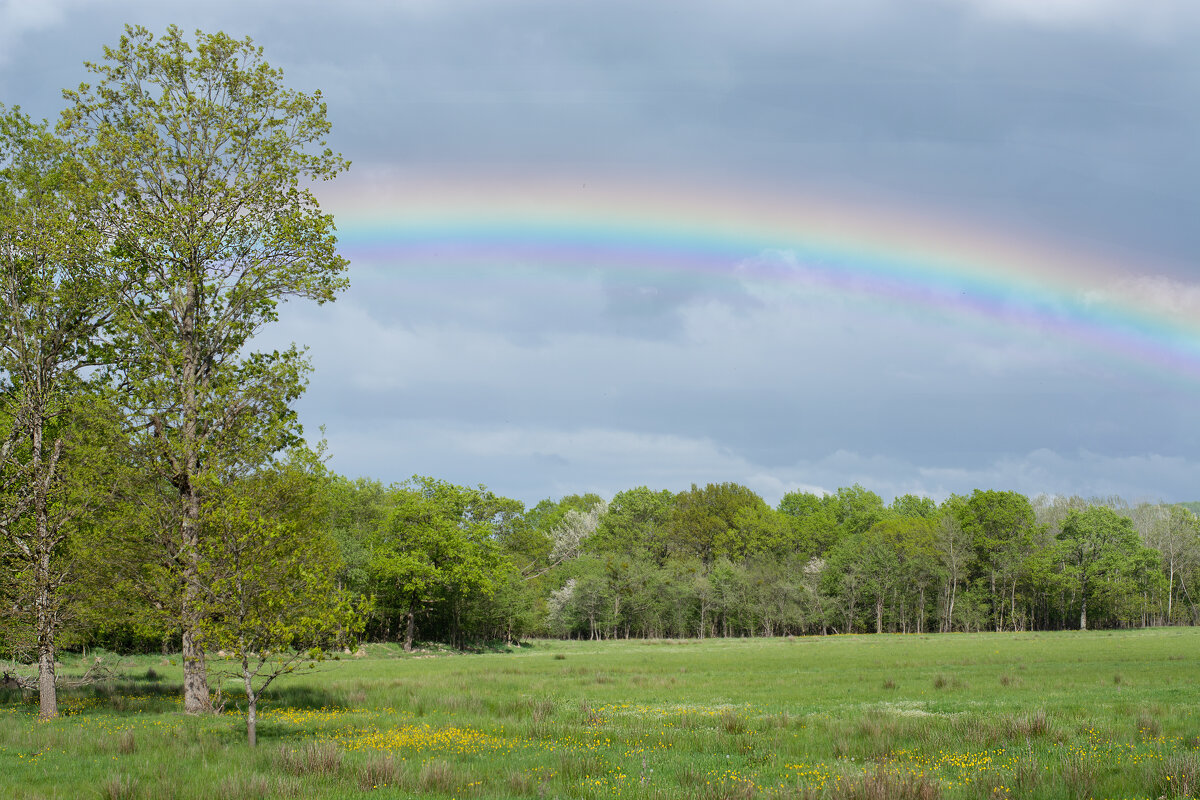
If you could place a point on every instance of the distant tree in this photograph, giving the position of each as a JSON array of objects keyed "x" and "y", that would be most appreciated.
[
  {"x": 1001, "y": 526},
  {"x": 573, "y": 531},
  {"x": 1101, "y": 550},
  {"x": 913, "y": 542},
  {"x": 911, "y": 505},
  {"x": 636, "y": 521},
  {"x": 540, "y": 538},
  {"x": 855, "y": 509},
  {"x": 355, "y": 510},
  {"x": 727, "y": 585},
  {"x": 852, "y": 572},
  {"x": 705, "y": 522},
  {"x": 812, "y": 519},
  {"x": 953, "y": 546},
  {"x": 431, "y": 549},
  {"x": 777, "y": 598},
  {"x": 208, "y": 158},
  {"x": 1174, "y": 532},
  {"x": 762, "y": 530}
]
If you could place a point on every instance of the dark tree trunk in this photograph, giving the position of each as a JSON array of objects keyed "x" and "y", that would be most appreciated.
[{"x": 410, "y": 625}]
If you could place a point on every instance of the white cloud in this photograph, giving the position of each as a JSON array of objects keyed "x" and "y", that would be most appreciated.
[
  {"x": 1156, "y": 295},
  {"x": 1149, "y": 18}
]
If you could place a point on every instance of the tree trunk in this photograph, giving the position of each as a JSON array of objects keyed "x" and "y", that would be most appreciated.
[
  {"x": 953, "y": 597},
  {"x": 47, "y": 690},
  {"x": 252, "y": 722},
  {"x": 997, "y": 608},
  {"x": 195, "y": 673},
  {"x": 1170, "y": 591},
  {"x": 410, "y": 626},
  {"x": 43, "y": 580},
  {"x": 251, "y": 704},
  {"x": 1083, "y": 609}
]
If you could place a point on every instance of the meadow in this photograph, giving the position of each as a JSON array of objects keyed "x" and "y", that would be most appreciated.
[{"x": 1037, "y": 715}]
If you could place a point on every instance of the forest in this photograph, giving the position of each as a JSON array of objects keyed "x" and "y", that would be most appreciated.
[
  {"x": 158, "y": 493},
  {"x": 457, "y": 564}
]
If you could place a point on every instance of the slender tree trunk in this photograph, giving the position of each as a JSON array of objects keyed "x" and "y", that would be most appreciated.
[
  {"x": 997, "y": 608},
  {"x": 953, "y": 597},
  {"x": 252, "y": 722},
  {"x": 1170, "y": 590},
  {"x": 1083, "y": 608},
  {"x": 410, "y": 626},
  {"x": 195, "y": 672},
  {"x": 47, "y": 690},
  {"x": 44, "y": 597},
  {"x": 251, "y": 703}
]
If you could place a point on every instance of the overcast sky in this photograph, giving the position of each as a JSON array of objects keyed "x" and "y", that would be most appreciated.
[{"x": 1062, "y": 130}]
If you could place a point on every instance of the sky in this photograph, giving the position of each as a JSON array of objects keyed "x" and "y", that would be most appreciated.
[{"x": 925, "y": 246}]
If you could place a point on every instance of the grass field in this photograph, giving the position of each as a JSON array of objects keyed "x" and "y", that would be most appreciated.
[{"x": 1046, "y": 715}]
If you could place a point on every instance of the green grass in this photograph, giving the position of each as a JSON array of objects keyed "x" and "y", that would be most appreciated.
[{"x": 1048, "y": 715}]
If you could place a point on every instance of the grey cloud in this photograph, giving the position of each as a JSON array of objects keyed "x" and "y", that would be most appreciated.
[{"x": 1062, "y": 118}]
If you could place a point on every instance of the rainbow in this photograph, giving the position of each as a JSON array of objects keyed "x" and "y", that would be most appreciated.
[{"x": 422, "y": 228}]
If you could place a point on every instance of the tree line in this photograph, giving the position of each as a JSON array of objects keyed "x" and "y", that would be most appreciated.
[{"x": 449, "y": 563}]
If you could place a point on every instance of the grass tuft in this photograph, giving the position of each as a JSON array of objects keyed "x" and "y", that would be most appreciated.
[
  {"x": 1149, "y": 728},
  {"x": 732, "y": 722},
  {"x": 1078, "y": 772},
  {"x": 1028, "y": 725},
  {"x": 378, "y": 773},
  {"x": 575, "y": 767},
  {"x": 257, "y": 787},
  {"x": 119, "y": 787},
  {"x": 438, "y": 776},
  {"x": 312, "y": 758},
  {"x": 881, "y": 784}
]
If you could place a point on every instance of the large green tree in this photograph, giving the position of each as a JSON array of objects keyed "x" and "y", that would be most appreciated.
[
  {"x": 54, "y": 300},
  {"x": 208, "y": 158}
]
